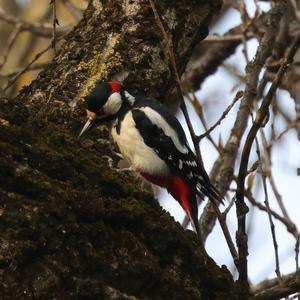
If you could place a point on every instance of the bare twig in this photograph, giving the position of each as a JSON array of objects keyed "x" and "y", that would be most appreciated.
[
  {"x": 9, "y": 45},
  {"x": 268, "y": 173},
  {"x": 33, "y": 67},
  {"x": 54, "y": 23},
  {"x": 244, "y": 18},
  {"x": 198, "y": 108},
  {"x": 228, "y": 38},
  {"x": 76, "y": 12},
  {"x": 272, "y": 289},
  {"x": 297, "y": 252},
  {"x": 36, "y": 28},
  {"x": 289, "y": 226},
  {"x": 172, "y": 61},
  {"x": 292, "y": 124},
  {"x": 226, "y": 211},
  {"x": 13, "y": 79},
  {"x": 272, "y": 226},
  {"x": 238, "y": 96},
  {"x": 275, "y": 244},
  {"x": 253, "y": 69},
  {"x": 222, "y": 221}
]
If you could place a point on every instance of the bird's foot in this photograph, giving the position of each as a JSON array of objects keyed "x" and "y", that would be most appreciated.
[
  {"x": 110, "y": 162},
  {"x": 103, "y": 141},
  {"x": 111, "y": 148},
  {"x": 118, "y": 154},
  {"x": 117, "y": 169}
]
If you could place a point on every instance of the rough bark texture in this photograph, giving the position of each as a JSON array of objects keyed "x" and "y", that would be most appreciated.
[{"x": 71, "y": 227}]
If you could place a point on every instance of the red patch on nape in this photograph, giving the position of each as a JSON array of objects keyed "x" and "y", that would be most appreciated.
[
  {"x": 181, "y": 191},
  {"x": 115, "y": 86}
]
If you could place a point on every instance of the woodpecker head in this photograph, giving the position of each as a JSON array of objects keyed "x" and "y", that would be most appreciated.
[{"x": 103, "y": 104}]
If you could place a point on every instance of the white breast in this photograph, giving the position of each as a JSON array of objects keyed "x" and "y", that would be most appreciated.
[{"x": 135, "y": 151}]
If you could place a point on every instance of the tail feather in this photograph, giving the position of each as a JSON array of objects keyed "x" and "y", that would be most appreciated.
[
  {"x": 210, "y": 191},
  {"x": 196, "y": 226}
]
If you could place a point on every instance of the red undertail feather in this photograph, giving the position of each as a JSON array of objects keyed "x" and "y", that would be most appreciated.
[
  {"x": 177, "y": 187},
  {"x": 180, "y": 190}
]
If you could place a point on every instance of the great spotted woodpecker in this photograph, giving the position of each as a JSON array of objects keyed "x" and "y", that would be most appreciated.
[{"x": 152, "y": 140}]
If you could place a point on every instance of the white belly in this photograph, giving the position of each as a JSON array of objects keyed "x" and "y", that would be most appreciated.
[{"x": 135, "y": 151}]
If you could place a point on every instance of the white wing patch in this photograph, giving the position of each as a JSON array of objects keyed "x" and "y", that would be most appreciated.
[
  {"x": 157, "y": 120},
  {"x": 199, "y": 186},
  {"x": 190, "y": 175},
  {"x": 180, "y": 164},
  {"x": 191, "y": 163}
]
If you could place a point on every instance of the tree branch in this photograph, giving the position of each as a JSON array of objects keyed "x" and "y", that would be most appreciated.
[{"x": 290, "y": 285}]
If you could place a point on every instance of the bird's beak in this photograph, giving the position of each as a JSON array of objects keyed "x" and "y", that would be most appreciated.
[
  {"x": 88, "y": 126},
  {"x": 91, "y": 124}
]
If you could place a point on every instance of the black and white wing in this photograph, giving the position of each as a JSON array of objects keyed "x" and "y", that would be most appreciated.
[{"x": 163, "y": 133}]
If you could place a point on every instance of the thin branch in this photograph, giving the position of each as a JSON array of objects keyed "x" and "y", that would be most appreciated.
[
  {"x": 289, "y": 226},
  {"x": 292, "y": 124},
  {"x": 12, "y": 80},
  {"x": 254, "y": 69},
  {"x": 238, "y": 96},
  {"x": 222, "y": 221},
  {"x": 268, "y": 172},
  {"x": 172, "y": 60},
  {"x": 76, "y": 12},
  {"x": 266, "y": 164},
  {"x": 297, "y": 252},
  {"x": 36, "y": 28},
  {"x": 275, "y": 290},
  {"x": 10, "y": 43},
  {"x": 228, "y": 38},
  {"x": 244, "y": 18},
  {"x": 230, "y": 205},
  {"x": 54, "y": 23},
  {"x": 198, "y": 109},
  {"x": 33, "y": 67},
  {"x": 272, "y": 226}
]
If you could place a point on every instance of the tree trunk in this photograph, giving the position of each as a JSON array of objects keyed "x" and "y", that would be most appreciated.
[{"x": 71, "y": 227}]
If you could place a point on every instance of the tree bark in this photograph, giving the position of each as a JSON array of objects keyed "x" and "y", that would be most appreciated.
[{"x": 70, "y": 226}]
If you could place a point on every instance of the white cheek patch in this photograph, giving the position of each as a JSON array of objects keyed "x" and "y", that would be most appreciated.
[{"x": 113, "y": 104}]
